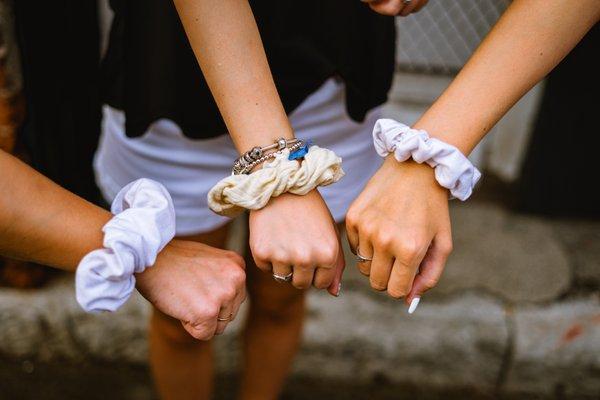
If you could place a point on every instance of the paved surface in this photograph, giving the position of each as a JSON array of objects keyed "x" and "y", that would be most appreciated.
[{"x": 517, "y": 313}]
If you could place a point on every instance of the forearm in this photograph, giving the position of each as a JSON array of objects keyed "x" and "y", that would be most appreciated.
[
  {"x": 527, "y": 42},
  {"x": 227, "y": 44},
  {"x": 42, "y": 222}
]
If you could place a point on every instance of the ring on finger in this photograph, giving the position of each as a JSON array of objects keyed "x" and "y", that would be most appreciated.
[
  {"x": 360, "y": 258},
  {"x": 406, "y": 2},
  {"x": 283, "y": 278},
  {"x": 223, "y": 319}
]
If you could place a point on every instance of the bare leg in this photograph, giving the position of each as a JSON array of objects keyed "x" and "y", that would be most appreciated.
[
  {"x": 272, "y": 334},
  {"x": 181, "y": 365}
]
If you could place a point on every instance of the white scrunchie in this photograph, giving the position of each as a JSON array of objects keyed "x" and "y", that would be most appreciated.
[
  {"x": 143, "y": 223},
  {"x": 235, "y": 193},
  {"x": 453, "y": 170}
]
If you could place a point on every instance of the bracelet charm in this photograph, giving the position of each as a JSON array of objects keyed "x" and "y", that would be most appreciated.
[{"x": 257, "y": 155}]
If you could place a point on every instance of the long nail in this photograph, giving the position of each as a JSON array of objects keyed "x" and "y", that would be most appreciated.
[
  {"x": 413, "y": 304},
  {"x": 339, "y": 290}
]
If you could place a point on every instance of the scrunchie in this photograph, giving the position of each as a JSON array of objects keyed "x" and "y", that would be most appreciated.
[
  {"x": 143, "y": 224},
  {"x": 235, "y": 193},
  {"x": 453, "y": 170}
]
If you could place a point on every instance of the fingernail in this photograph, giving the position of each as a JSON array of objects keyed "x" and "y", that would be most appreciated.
[
  {"x": 339, "y": 290},
  {"x": 413, "y": 304}
]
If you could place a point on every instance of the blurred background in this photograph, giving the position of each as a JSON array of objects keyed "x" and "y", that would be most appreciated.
[{"x": 516, "y": 314}]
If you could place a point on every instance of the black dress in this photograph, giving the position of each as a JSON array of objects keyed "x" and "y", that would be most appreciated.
[{"x": 150, "y": 71}]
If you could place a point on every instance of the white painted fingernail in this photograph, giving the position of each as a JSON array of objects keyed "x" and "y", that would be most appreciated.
[
  {"x": 339, "y": 289},
  {"x": 413, "y": 305}
]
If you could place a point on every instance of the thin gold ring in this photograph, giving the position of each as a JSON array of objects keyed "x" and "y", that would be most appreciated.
[{"x": 220, "y": 319}]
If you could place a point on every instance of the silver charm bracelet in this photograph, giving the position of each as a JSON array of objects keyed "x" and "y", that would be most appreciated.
[{"x": 247, "y": 161}]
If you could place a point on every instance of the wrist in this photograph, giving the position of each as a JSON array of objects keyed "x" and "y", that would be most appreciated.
[
  {"x": 420, "y": 174},
  {"x": 451, "y": 168}
]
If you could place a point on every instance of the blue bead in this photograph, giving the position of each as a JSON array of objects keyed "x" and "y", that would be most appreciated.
[{"x": 301, "y": 152}]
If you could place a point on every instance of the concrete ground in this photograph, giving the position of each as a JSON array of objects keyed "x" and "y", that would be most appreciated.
[{"x": 516, "y": 315}]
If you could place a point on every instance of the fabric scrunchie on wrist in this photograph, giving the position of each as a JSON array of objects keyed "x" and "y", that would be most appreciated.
[
  {"x": 143, "y": 224},
  {"x": 236, "y": 193},
  {"x": 453, "y": 170}
]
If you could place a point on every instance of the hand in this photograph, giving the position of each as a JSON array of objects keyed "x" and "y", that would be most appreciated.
[
  {"x": 196, "y": 284},
  {"x": 297, "y": 234},
  {"x": 401, "y": 222},
  {"x": 396, "y": 7}
]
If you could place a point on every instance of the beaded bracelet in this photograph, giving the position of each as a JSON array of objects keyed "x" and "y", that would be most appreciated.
[{"x": 247, "y": 161}]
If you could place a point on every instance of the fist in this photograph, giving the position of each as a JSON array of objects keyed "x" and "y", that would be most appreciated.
[{"x": 199, "y": 285}]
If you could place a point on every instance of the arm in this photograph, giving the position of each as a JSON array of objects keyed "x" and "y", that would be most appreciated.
[
  {"x": 528, "y": 41},
  {"x": 42, "y": 222},
  {"x": 228, "y": 47},
  {"x": 227, "y": 44},
  {"x": 402, "y": 214}
]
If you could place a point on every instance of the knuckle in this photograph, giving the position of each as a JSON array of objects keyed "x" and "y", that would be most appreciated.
[
  {"x": 367, "y": 230},
  {"x": 379, "y": 286},
  {"x": 397, "y": 292},
  {"x": 302, "y": 260},
  {"x": 327, "y": 255},
  {"x": 228, "y": 293},
  {"x": 208, "y": 311},
  {"x": 321, "y": 283},
  {"x": 205, "y": 336},
  {"x": 198, "y": 335},
  {"x": 363, "y": 269},
  {"x": 261, "y": 252},
  {"x": 410, "y": 246},
  {"x": 352, "y": 217},
  {"x": 237, "y": 276},
  {"x": 385, "y": 239},
  {"x": 201, "y": 334},
  {"x": 430, "y": 283},
  {"x": 301, "y": 284},
  {"x": 237, "y": 260},
  {"x": 446, "y": 247},
  {"x": 281, "y": 257}
]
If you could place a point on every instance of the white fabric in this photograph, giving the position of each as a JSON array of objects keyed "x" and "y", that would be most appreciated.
[
  {"x": 190, "y": 168},
  {"x": 236, "y": 193},
  {"x": 453, "y": 170},
  {"x": 143, "y": 224}
]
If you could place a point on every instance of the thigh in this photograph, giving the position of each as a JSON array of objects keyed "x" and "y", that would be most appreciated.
[{"x": 270, "y": 298}]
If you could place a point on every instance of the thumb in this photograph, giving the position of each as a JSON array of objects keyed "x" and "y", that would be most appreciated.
[{"x": 430, "y": 270}]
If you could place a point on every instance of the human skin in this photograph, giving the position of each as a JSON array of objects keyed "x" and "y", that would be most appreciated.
[
  {"x": 396, "y": 7},
  {"x": 44, "y": 223},
  {"x": 227, "y": 44},
  {"x": 401, "y": 219}
]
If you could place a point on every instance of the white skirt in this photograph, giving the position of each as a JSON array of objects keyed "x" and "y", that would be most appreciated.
[{"x": 189, "y": 168}]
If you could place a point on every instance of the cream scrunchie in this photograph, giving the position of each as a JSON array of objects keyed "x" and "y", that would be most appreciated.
[{"x": 232, "y": 195}]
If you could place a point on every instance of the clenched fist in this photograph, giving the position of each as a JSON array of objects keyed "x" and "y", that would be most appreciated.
[{"x": 199, "y": 285}]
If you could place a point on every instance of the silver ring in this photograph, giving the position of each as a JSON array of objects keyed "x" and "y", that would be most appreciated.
[
  {"x": 283, "y": 278},
  {"x": 220, "y": 319},
  {"x": 406, "y": 2},
  {"x": 360, "y": 258}
]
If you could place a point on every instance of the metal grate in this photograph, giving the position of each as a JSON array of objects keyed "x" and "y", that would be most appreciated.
[{"x": 441, "y": 37}]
